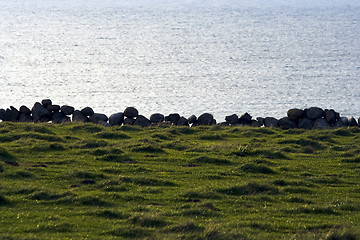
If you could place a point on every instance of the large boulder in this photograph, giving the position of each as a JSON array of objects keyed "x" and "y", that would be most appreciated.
[
  {"x": 53, "y": 108},
  {"x": 232, "y": 119},
  {"x": 286, "y": 123},
  {"x": 79, "y": 117},
  {"x": 67, "y": 110},
  {"x": 183, "y": 122},
  {"x": 60, "y": 117},
  {"x": 25, "y": 110},
  {"x": 314, "y": 113},
  {"x": 331, "y": 116},
  {"x": 271, "y": 122},
  {"x": 2, "y": 114},
  {"x": 131, "y": 112},
  {"x": 306, "y": 123},
  {"x": 255, "y": 123},
  {"x": 12, "y": 114},
  {"x": 116, "y": 119},
  {"x": 295, "y": 114},
  {"x": 25, "y": 118},
  {"x": 352, "y": 122},
  {"x": 156, "y": 118},
  {"x": 192, "y": 119},
  {"x": 245, "y": 119},
  {"x": 205, "y": 119},
  {"x": 129, "y": 121},
  {"x": 173, "y": 118},
  {"x": 142, "y": 121},
  {"x": 46, "y": 102},
  {"x": 261, "y": 120},
  {"x": 98, "y": 118},
  {"x": 87, "y": 111},
  {"x": 40, "y": 113},
  {"x": 321, "y": 124},
  {"x": 342, "y": 122}
]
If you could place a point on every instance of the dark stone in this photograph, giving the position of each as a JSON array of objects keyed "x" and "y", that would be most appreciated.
[
  {"x": 25, "y": 110},
  {"x": 173, "y": 118},
  {"x": 352, "y": 122},
  {"x": 232, "y": 119},
  {"x": 331, "y": 116},
  {"x": 116, "y": 119},
  {"x": 79, "y": 117},
  {"x": 87, "y": 111},
  {"x": 205, "y": 119},
  {"x": 223, "y": 124},
  {"x": 295, "y": 114},
  {"x": 342, "y": 122},
  {"x": 314, "y": 113},
  {"x": 59, "y": 117},
  {"x": 67, "y": 110},
  {"x": 286, "y": 123},
  {"x": 306, "y": 123},
  {"x": 213, "y": 122},
  {"x": 2, "y": 114},
  {"x": 129, "y": 121},
  {"x": 25, "y": 118},
  {"x": 156, "y": 118},
  {"x": 245, "y": 119},
  {"x": 359, "y": 121},
  {"x": 40, "y": 113},
  {"x": 53, "y": 108},
  {"x": 142, "y": 121},
  {"x": 321, "y": 124},
  {"x": 183, "y": 122},
  {"x": 12, "y": 114},
  {"x": 131, "y": 112},
  {"x": 260, "y": 120},
  {"x": 46, "y": 102},
  {"x": 192, "y": 119},
  {"x": 271, "y": 122},
  {"x": 255, "y": 123},
  {"x": 98, "y": 118}
]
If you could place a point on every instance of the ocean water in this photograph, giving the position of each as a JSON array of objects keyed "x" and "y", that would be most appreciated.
[{"x": 184, "y": 56}]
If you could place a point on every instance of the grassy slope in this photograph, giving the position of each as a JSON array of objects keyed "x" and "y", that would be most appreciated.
[{"x": 86, "y": 181}]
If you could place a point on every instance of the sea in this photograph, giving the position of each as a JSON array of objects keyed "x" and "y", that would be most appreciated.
[{"x": 182, "y": 56}]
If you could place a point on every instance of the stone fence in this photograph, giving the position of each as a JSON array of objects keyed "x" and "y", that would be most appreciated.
[{"x": 310, "y": 118}]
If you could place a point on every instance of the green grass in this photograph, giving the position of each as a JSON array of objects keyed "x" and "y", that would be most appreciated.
[{"x": 85, "y": 181}]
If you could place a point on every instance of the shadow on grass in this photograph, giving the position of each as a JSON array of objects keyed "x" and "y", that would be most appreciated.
[
  {"x": 145, "y": 181},
  {"x": 149, "y": 221},
  {"x": 114, "y": 136},
  {"x": 253, "y": 168},
  {"x": 185, "y": 228},
  {"x": 250, "y": 189},
  {"x": 211, "y": 160},
  {"x": 116, "y": 158},
  {"x": 130, "y": 232},
  {"x": 110, "y": 214}
]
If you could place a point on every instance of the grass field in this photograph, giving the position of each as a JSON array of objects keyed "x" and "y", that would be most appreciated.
[{"x": 85, "y": 181}]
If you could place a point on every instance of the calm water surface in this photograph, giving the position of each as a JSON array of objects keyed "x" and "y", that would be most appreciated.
[{"x": 190, "y": 57}]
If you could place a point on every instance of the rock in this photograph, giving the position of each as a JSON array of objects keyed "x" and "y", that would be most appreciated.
[
  {"x": 67, "y": 110},
  {"x": 98, "y": 118},
  {"x": 79, "y": 117},
  {"x": 342, "y": 122},
  {"x": 87, "y": 111},
  {"x": 255, "y": 123},
  {"x": 245, "y": 119},
  {"x": 352, "y": 122},
  {"x": 156, "y": 118},
  {"x": 260, "y": 120},
  {"x": 295, "y": 114},
  {"x": 53, "y": 108},
  {"x": 192, "y": 119},
  {"x": 105, "y": 124},
  {"x": 116, "y": 119},
  {"x": 46, "y": 102},
  {"x": 314, "y": 113},
  {"x": 142, "y": 121},
  {"x": 25, "y": 110},
  {"x": 173, "y": 118},
  {"x": 359, "y": 121},
  {"x": 286, "y": 123},
  {"x": 232, "y": 119},
  {"x": 271, "y": 122},
  {"x": 40, "y": 113},
  {"x": 306, "y": 123},
  {"x": 224, "y": 124},
  {"x": 205, "y": 119},
  {"x": 213, "y": 122},
  {"x": 2, "y": 114},
  {"x": 60, "y": 117},
  {"x": 331, "y": 116},
  {"x": 12, "y": 114},
  {"x": 183, "y": 122},
  {"x": 321, "y": 124},
  {"x": 129, "y": 121},
  {"x": 131, "y": 112},
  {"x": 25, "y": 118}
]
